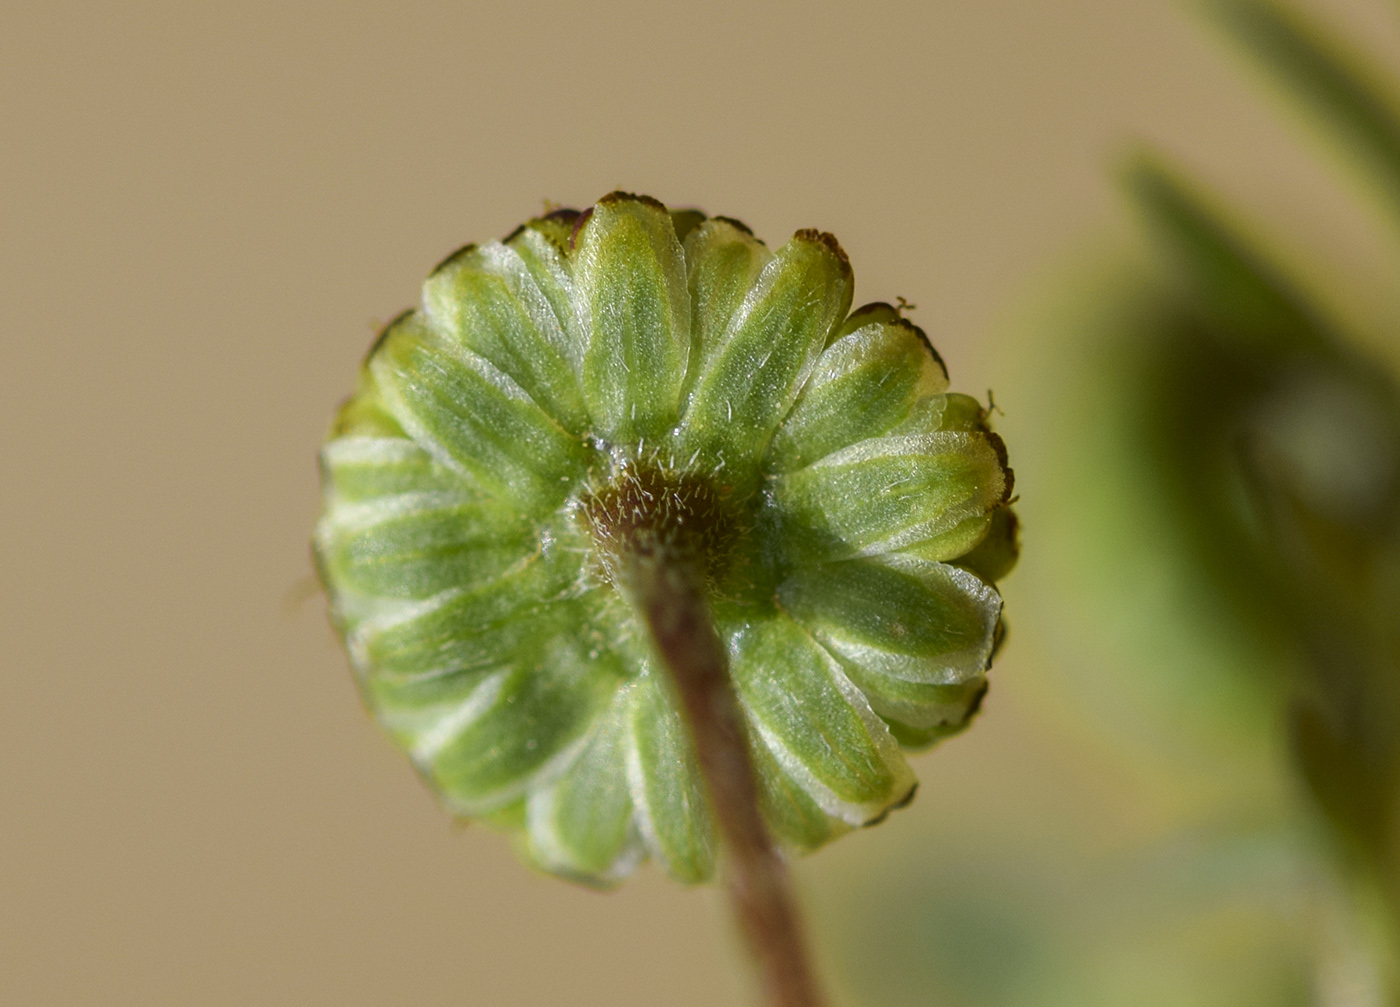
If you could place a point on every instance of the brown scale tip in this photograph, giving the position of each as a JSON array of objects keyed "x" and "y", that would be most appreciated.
[
  {"x": 464, "y": 250},
  {"x": 556, "y": 225},
  {"x": 618, "y": 196},
  {"x": 980, "y": 696},
  {"x": 565, "y": 215},
  {"x": 999, "y": 446},
  {"x": 827, "y": 240},
  {"x": 898, "y": 805},
  {"x": 583, "y": 218},
  {"x": 732, "y": 222},
  {"x": 686, "y": 219},
  {"x": 909, "y": 326},
  {"x": 384, "y": 332},
  {"x": 875, "y": 311}
]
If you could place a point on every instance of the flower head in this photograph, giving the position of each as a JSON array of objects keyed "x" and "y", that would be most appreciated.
[{"x": 631, "y": 377}]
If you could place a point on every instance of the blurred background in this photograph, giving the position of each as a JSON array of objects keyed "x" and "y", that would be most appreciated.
[{"x": 1162, "y": 234}]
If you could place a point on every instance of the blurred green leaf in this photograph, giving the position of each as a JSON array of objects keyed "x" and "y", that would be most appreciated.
[
  {"x": 1347, "y": 98},
  {"x": 1239, "y": 293}
]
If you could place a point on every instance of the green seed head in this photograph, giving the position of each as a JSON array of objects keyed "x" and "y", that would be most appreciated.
[{"x": 628, "y": 382}]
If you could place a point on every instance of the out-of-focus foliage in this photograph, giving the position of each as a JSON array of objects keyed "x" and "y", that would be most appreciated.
[{"x": 1210, "y": 619}]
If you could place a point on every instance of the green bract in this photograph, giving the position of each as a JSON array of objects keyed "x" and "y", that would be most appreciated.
[{"x": 631, "y": 368}]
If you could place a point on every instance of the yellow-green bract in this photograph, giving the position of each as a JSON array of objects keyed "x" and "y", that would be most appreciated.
[{"x": 635, "y": 367}]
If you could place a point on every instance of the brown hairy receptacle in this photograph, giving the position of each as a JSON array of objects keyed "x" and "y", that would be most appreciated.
[{"x": 646, "y": 511}]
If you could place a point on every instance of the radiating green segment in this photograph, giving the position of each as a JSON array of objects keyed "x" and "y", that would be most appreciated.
[
  {"x": 876, "y": 313},
  {"x": 489, "y": 752},
  {"x": 508, "y": 817},
  {"x": 996, "y": 554},
  {"x": 355, "y": 469},
  {"x": 791, "y": 813},
  {"x": 722, "y": 262},
  {"x": 410, "y": 706},
  {"x": 897, "y": 615},
  {"x": 465, "y": 410},
  {"x": 666, "y": 785},
  {"x": 962, "y": 412},
  {"x": 685, "y": 221},
  {"x": 631, "y": 285},
  {"x": 953, "y": 543},
  {"x": 891, "y": 493},
  {"x": 862, "y": 386},
  {"x": 450, "y": 701},
  {"x": 581, "y": 824},
  {"x": 916, "y": 739},
  {"x": 540, "y": 246},
  {"x": 478, "y": 627},
  {"x": 948, "y": 412},
  {"x": 364, "y": 413},
  {"x": 752, "y": 378},
  {"x": 418, "y": 544},
  {"x": 557, "y": 227},
  {"x": 365, "y": 417},
  {"x": 918, "y": 708},
  {"x": 800, "y": 704},
  {"x": 486, "y": 299}
]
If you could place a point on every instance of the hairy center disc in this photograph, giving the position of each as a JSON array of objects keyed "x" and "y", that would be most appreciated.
[{"x": 646, "y": 511}]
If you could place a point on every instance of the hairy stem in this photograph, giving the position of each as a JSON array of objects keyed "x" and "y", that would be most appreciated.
[{"x": 668, "y": 591}]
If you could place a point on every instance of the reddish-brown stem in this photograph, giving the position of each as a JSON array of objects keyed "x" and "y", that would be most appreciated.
[{"x": 668, "y": 591}]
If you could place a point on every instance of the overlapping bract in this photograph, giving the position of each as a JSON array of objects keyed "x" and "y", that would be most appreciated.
[{"x": 857, "y": 609}]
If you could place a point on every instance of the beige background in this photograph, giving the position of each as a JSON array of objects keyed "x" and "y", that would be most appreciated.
[{"x": 207, "y": 208}]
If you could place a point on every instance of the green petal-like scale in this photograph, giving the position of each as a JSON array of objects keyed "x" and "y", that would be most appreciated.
[
  {"x": 631, "y": 289},
  {"x": 471, "y": 415},
  {"x": 765, "y": 354},
  {"x": 791, "y": 812},
  {"x": 722, "y": 262},
  {"x": 540, "y": 245},
  {"x": 487, "y": 300},
  {"x": 474, "y": 626},
  {"x": 904, "y": 617},
  {"x": 673, "y": 814},
  {"x": 639, "y": 365},
  {"x": 815, "y": 723},
  {"x": 415, "y": 545},
  {"x": 361, "y": 468},
  {"x": 582, "y": 824},
  {"x": 517, "y": 722},
  {"x": 934, "y": 492},
  {"x": 864, "y": 385}
]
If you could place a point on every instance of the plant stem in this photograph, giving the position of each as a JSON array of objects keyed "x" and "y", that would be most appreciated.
[{"x": 669, "y": 593}]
